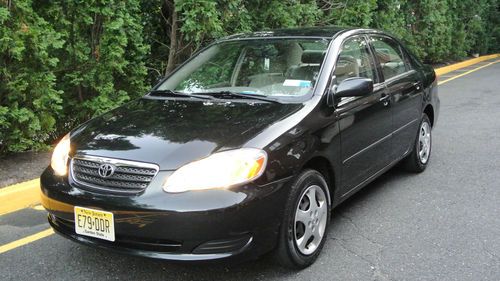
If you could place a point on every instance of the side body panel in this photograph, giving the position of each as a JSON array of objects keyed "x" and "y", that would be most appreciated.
[
  {"x": 366, "y": 141},
  {"x": 406, "y": 100}
]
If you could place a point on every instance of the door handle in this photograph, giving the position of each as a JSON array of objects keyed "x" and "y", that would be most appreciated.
[
  {"x": 417, "y": 86},
  {"x": 385, "y": 98}
]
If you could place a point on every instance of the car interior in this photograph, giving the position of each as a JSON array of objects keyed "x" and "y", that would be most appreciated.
[{"x": 294, "y": 63}]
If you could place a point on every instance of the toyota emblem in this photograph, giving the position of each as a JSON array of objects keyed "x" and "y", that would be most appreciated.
[{"x": 106, "y": 170}]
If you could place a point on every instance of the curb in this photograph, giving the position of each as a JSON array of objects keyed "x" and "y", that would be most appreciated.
[
  {"x": 456, "y": 66},
  {"x": 19, "y": 196}
]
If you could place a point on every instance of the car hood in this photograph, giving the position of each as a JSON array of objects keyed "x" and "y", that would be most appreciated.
[{"x": 172, "y": 133}]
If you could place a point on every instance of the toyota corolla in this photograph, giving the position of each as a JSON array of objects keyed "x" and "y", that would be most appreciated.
[{"x": 245, "y": 148}]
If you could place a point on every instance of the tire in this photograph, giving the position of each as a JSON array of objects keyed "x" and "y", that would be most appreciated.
[
  {"x": 417, "y": 161},
  {"x": 314, "y": 221}
]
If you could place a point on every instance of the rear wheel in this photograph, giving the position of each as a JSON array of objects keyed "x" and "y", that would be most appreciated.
[
  {"x": 306, "y": 220},
  {"x": 418, "y": 159}
]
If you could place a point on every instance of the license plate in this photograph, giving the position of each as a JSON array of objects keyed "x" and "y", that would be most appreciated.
[{"x": 94, "y": 223}]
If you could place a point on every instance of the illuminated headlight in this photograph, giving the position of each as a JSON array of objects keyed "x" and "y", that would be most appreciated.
[
  {"x": 60, "y": 157},
  {"x": 220, "y": 170}
]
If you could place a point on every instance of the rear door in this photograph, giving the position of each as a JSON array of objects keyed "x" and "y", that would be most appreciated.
[
  {"x": 404, "y": 86},
  {"x": 365, "y": 122}
]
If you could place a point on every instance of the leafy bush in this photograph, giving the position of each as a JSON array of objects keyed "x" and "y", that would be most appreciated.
[{"x": 29, "y": 99}]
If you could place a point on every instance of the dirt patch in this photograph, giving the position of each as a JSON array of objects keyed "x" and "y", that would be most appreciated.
[{"x": 22, "y": 166}]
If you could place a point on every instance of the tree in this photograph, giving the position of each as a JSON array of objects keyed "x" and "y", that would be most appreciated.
[
  {"x": 102, "y": 59},
  {"x": 29, "y": 98},
  {"x": 347, "y": 13}
]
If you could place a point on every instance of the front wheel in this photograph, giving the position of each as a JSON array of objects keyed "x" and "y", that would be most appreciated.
[
  {"x": 306, "y": 220},
  {"x": 418, "y": 159}
]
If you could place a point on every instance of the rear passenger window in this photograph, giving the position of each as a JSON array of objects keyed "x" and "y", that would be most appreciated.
[
  {"x": 390, "y": 57},
  {"x": 408, "y": 61}
]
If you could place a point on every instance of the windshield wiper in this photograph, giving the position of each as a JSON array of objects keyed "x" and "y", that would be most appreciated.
[
  {"x": 230, "y": 94},
  {"x": 170, "y": 93}
]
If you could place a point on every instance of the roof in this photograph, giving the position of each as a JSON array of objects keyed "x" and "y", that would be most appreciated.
[{"x": 323, "y": 32}]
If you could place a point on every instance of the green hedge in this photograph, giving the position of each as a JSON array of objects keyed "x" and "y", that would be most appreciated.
[{"x": 63, "y": 62}]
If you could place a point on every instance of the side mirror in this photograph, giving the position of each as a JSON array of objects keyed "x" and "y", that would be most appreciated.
[{"x": 354, "y": 87}]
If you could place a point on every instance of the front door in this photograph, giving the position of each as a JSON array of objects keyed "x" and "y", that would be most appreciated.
[{"x": 365, "y": 122}]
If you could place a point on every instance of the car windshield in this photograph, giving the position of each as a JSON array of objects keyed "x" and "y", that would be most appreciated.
[{"x": 271, "y": 68}]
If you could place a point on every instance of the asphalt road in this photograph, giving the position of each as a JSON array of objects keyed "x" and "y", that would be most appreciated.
[
  {"x": 22, "y": 166},
  {"x": 443, "y": 224}
]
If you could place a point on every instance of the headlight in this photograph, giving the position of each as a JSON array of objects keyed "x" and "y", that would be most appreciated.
[
  {"x": 60, "y": 157},
  {"x": 219, "y": 170}
]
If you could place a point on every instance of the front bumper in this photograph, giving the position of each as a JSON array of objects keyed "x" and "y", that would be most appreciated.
[{"x": 192, "y": 226}]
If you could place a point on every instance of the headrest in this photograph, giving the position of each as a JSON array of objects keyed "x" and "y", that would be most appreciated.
[{"x": 312, "y": 57}]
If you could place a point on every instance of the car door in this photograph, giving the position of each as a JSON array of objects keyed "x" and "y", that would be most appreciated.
[
  {"x": 365, "y": 122},
  {"x": 404, "y": 86}
]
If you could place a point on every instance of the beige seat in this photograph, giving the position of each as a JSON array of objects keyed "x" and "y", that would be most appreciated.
[
  {"x": 309, "y": 67},
  {"x": 347, "y": 67}
]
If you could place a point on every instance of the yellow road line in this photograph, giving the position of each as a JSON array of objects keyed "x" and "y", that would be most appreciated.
[
  {"x": 443, "y": 70},
  {"x": 38, "y": 208},
  {"x": 19, "y": 196},
  {"x": 465, "y": 73},
  {"x": 26, "y": 240}
]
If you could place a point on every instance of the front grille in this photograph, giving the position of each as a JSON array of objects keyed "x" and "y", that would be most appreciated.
[{"x": 128, "y": 176}]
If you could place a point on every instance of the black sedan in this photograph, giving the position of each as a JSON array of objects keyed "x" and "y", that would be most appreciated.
[{"x": 245, "y": 148}]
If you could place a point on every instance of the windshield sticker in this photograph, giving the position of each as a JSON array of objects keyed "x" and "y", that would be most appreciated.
[
  {"x": 297, "y": 83},
  {"x": 266, "y": 63},
  {"x": 249, "y": 92}
]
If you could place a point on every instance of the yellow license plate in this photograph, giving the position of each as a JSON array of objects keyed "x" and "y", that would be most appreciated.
[{"x": 94, "y": 223}]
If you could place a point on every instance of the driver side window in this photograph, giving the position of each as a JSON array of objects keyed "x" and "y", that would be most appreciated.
[
  {"x": 389, "y": 56},
  {"x": 355, "y": 60}
]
